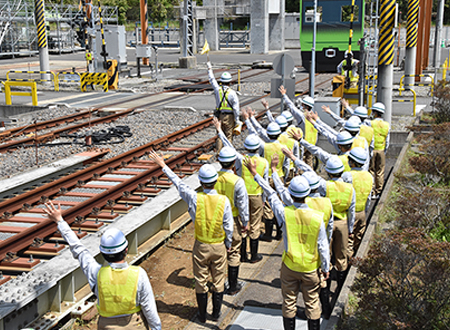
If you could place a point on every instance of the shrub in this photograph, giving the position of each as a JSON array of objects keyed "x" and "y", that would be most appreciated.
[
  {"x": 436, "y": 153},
  {"x": 442, "y": 104},
  {"x": 404, "y": 283}
]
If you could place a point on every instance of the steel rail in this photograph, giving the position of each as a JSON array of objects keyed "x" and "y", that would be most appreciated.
[
  {"x": 44, "y": 124},
  {"x": 47, "y": 227}
]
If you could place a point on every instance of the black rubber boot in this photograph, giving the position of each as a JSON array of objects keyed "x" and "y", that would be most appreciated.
[
  {"x": 256, "y": 257},
  {"x": 289, "y": 324},
  {"x": 202, "y": 302},
  {"x": 217, "y": 305},
  {"x": 340, "y": 280},
  {"x": 279, "y": 235},
  {"x": 244, "y": 256},
  {"x": 234, "y": 285},
  {"x": 325, "y": 301},
  {"x": 268, "y": 225},
  {"x": 314, "y": 324}
]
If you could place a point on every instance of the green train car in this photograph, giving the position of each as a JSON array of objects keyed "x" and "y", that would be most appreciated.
[{"x": 333, "y": 30}]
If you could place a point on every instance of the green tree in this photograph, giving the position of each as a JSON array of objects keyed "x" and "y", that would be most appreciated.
[{"x": 292, "y": 6}]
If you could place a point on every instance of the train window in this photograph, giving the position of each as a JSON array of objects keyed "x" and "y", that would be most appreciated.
[
  {"x": 346, "y": 11},
  {"x": 309, "y": 14}
]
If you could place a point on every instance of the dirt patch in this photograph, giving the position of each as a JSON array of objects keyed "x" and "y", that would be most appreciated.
[{"x": 172, "y": 279}]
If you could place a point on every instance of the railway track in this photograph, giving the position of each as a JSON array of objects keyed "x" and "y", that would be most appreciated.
[
  {"x": 111, "y": 191},
  {"x": 37, "y": 127}
]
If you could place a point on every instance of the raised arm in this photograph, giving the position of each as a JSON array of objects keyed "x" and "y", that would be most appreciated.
[
  {"x": 88, "y": 264},
  {"x": 268, "y": 112}
]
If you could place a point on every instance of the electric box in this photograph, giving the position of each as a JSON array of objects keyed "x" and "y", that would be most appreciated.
[
  {"x": 115, "y": 41},
  {"x": 335, "y": 105}
]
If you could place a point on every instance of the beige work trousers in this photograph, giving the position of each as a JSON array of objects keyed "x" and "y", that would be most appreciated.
[
  {"x": 209, "y": 260},
  {"x": 291, "y": 283},
  {"x": 134, "y": 321},
  {"x": 339, "y": 244},
  {"x": 256, "y": 208},
  {"x": 268, "y": 213},
  {"x": 358, "y": 231},
  {"x": 377, "y": 166},
  {"x": 308, "y": 158},
  {"x": 234, "y": 256},
  {"x": 227, "y": 122}
]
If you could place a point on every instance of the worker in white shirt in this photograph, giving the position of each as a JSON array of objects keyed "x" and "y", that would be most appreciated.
[
  {"x": 227, "y": 103},
  {"x": 124, "y": 293},
  {"x": 213, "y": 221}
]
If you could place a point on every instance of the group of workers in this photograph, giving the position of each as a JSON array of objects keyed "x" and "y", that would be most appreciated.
[{"x": 319, "y": 220}]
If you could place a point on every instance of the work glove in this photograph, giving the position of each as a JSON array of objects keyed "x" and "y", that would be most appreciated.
[{"x": 208, "y": 65}]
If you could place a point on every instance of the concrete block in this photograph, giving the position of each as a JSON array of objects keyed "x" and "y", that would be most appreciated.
[{"x": 189, "y": 62}]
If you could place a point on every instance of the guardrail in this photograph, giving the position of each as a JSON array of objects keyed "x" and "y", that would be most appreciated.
[
  {"x": 9, "y": 93},
  {"x": 414, "y": 100},
  {"x": 421, "y": 84},
  {"x": 55, "y": 78}
]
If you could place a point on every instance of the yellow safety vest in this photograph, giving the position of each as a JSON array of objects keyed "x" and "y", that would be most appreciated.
[
  {"x": 271, "y": 149},
  {"x": 344, "y": 159},
  {"x": 310, "y": 133},
  {"x": 321, "y": 204},
  {"x": 117, "y": 291},
  {"x": 225, "y": 186},
  {"x": 380, "y": 130},
  {"x": 362, "y": 183},
  {"x": 209, "y": 218},
  {"x": 224, "y": 100},
  {"x": 344, "y": 72},
  {"x": 253, "y": 188},
  {"x": 359, "y": 141},
  {"x": 288, "y": 142},
  {"x": 367, "y": 133},
  {"x": 302, "y": 231},
  {"x": 340, "y": 195}
]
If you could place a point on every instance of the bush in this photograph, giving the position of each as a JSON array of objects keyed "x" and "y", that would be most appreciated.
[
  {"x": 442, "y": 105},
  {"x": 436, "y": 153},
  {"x": 424, "y": 208},
  {"x": 404, "y": 283}
]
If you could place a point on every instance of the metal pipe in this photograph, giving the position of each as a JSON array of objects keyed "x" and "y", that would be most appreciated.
[
  {"x": 437, "y": 35},
  {"x": 411, "y": 42},
  {"x": 313, "y": 54}
]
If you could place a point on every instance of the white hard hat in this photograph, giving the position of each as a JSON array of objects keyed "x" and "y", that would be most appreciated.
[
  {"x": 225, "y": 77},
  {"x": 334, "y": 165},
  {"x": 308, "y": 100},
  {"x": 113, "y": 241},
  {"x": 352, "y": 124},
  {"x": 287, "y": 115},
  {"x": 252, "y": 142},
  {"x": 227, "y": 155},
  {"x": 346, "y": 53},
  {"x": 379, "y": 107},
  {"x": 344, "y": 138},
  {"x": 358, "y": 154},
  {"x": 312, "y": 178},
  {"x": 207, "y": 174},
  {"x": 299, "y": 187},
  {"x": 281, "y": 121},
  {"x": 273, "y": 129},
  {"x": 361, "y": 112}
]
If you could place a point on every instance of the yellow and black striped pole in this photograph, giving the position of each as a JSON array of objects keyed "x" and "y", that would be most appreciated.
[
  {"x": 411, "y": 42},
  {"x": 42, "y": 39},
  {"x": 386, "y": 56}
]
